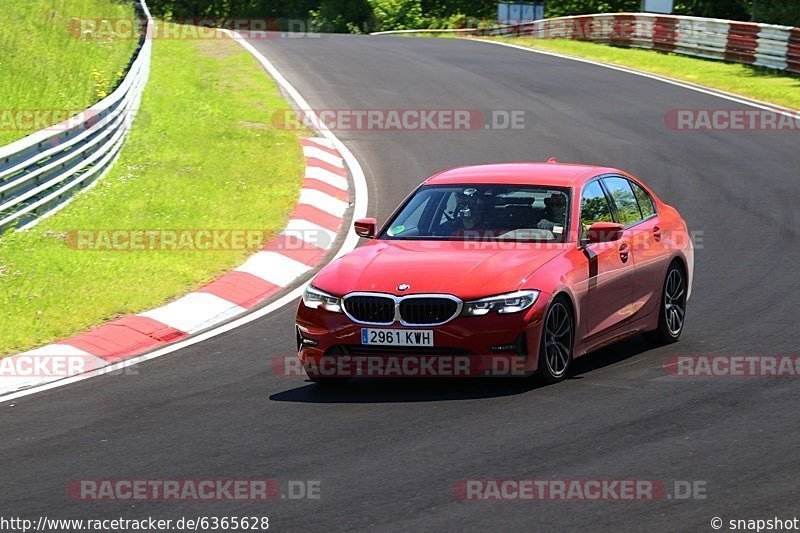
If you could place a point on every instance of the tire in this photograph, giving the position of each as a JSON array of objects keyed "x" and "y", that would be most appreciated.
[
  {"x": 672, "y": 310},
  {"x": 558, "y": 336}
]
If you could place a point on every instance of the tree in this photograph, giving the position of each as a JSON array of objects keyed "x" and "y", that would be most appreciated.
[
  {"x": 561, "y": 8},
  {"x": 343, "y": 16},
  {"x": 722, "y": 9},
  {"x": 785, "y": 12},
  {"x": 368, "y": 15},
  {"x": 448, "y": 8},
  {"x": 397, "y": 14}
]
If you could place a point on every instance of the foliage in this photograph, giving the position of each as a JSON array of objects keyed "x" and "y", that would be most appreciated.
[
  {"x": 397, "y": 14},
  {"x": 372, "y": 15},
  {"x": 723, "y": 9},
  {"x": 560, "y": 8},
  {"x": 785, "y": 12},
  {"x": 342, "y": 16}
]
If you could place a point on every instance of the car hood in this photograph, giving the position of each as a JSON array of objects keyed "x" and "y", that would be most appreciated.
[{"x": 465, "y": 269}]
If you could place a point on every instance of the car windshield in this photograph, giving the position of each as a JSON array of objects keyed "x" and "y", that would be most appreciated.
[{"x": 483, "y": 212}]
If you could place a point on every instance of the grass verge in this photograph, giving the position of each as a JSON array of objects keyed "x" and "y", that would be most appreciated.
[
  {"x": 202, "y": 155},
  {"x": 758, "y": 83},
  {"x": 44, "y": 66}
]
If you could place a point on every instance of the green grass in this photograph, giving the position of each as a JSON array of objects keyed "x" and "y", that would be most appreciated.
[
  {"x": 753, "y": 82},
  {"x": 202, "y": 154},
  {"x": 44, "y": 66}
]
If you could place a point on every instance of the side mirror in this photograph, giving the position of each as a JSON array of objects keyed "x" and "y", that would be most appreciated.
[
  {"x": 604, "y": 232},
  {"x": 365, "y": 227}
]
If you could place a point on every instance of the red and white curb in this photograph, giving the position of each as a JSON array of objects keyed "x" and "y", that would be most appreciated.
[{"x": 313, "y": 227}]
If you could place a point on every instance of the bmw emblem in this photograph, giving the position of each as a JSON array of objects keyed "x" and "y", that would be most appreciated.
[{"x": 403, "y": 287}]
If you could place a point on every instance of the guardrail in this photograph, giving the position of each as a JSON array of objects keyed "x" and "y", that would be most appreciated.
[
  {"x": 40, "y": 173},
  {"x": 765, "y": 45}
]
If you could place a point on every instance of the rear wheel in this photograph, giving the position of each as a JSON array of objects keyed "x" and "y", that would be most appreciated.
[
  {"x": 673, "y": 307},
  {"x": 555, "y": 349}
]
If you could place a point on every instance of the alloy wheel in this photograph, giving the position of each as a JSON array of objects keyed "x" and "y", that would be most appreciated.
[
  {"x": 558, "y": 339},
  {"x": 675, "y": 301}
]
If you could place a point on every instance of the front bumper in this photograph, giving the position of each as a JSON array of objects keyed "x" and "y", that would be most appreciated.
[{"x": 329, "y": 344}]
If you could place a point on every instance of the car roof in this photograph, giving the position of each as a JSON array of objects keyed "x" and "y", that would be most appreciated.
[{"x": 550, "y": 174}]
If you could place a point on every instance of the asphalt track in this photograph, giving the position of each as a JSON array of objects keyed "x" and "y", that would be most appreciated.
[{"x": 388, "y": 453}]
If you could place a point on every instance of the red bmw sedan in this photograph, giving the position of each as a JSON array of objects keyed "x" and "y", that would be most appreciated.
[{"x": 531, "y": 264}]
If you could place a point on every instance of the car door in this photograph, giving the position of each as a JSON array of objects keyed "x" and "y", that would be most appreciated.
[
  {"x": 610, "y": 267},
  {"x": 650, "y": 253}
]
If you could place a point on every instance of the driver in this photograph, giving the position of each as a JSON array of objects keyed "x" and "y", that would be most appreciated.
[
  {"x": 468, "y": 213},
  {"x": 555, "y": 212},
  {"x": 469, "y": 208}
]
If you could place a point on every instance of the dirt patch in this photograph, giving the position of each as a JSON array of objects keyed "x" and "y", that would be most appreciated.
[
  {"x": 255, "y": 125},
  {"x": 220, "y": 48}
]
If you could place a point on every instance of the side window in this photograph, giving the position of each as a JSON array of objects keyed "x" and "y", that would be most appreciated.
[
  {"x": 645, "y": 202},
  {"x": 626, "y": 206},
  {"x": 594, "y": 206}
]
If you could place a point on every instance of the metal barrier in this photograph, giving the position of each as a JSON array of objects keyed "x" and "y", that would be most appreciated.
[
  {"x": 765, "y": 45},
  {"x": 40, "y": 173}
]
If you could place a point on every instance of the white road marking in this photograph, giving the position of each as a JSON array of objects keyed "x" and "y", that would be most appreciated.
[
  {"x": 21, "y": 371},
  {"x": 322, "y": 155},
  {"x": 326, "y": 176},
  {"x": 274, "y": 267},
  {"x": 194, "y": 312},
  {"x": 310, "y": 233},
  {"x": 323, "y": 201},
  {"x": 322, "y": 141}
]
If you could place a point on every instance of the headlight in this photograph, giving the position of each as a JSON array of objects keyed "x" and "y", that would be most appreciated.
[
  {"x": 314, "y": 298},
  {"x": 513, "y": 302}
]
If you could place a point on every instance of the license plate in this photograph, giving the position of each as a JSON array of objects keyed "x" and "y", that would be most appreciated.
[{"x": 397, "y": 337}]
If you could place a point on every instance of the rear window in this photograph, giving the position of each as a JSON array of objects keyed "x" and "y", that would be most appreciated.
[{"x": 646, "y": 205}]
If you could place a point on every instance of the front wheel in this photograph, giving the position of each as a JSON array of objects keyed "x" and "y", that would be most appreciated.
[
  {"x": 555, "y": 348},
  {"x": 673, "y": 307}
]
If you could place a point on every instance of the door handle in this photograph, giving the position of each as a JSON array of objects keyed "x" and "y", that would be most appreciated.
[
  {"x": 624, "y": 253},
  {"x": 657, "y": 233}
]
